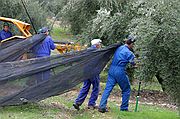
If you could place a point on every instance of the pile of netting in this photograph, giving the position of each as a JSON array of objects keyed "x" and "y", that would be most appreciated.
[{"x": 35, "y": 79}]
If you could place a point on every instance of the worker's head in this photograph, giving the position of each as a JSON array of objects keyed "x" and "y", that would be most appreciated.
[
  {"x": 39, "y": 31},
  {"x": 45, "y": 30},
  {"x": 96, "y": 43},
  {"x": 6, "y": 27},
  {"x": 130, "y": 41}
]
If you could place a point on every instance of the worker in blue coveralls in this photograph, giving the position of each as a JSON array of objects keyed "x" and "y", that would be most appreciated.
[
  {"x": 44, "y": 50},
  {"x": 95, "y": 44},
  {"x": 5, "y": 33},
  {"x": 117, "y": 75}
]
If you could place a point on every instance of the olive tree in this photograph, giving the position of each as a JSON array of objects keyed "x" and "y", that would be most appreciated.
[
  {"x": 155, "y": 23},
  {"x": 14, "y": 9},
  {"x": 158, "y": 31}
]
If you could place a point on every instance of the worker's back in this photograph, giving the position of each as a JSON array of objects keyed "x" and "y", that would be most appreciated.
[
  {"x": 122, "y": 56},
  {"x": 44, "y": 48},
  {"x": 5, "y": 34}
]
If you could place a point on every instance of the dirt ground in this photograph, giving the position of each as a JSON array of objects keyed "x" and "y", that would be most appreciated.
[{"x": 146, "y": 97}]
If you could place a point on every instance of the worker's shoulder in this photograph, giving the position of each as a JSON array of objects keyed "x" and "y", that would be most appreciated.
[
  {"x": 122, "y": 48},
  {"x": 48, "y": 38},
  {"x": 125, "y": 50},
  {"x": 10, "y": 32},
  {"x": 4, "y": 32},
  {"x": 1, "y": 31},
  {"x": 92, "y": 48}
]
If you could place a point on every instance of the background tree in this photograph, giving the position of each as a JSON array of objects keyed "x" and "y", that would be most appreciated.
[
  {"x": 155, "y": 23},
  {"x": 78, "y": 13},
  {"x": 157, "y": 28},
  {"x": 14, "y": 9}
]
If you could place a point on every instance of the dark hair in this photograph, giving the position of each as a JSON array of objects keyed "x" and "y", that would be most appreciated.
[
  {"x": 5, "y": 24},
  {"x": 44, "y": 30},
  {"x": 128, "y": 42},
  {"x": 130, "y": 39}
]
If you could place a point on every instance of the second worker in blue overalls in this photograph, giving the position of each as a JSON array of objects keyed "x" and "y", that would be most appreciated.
[
  {"x": 117, "y": 75},
  {"x": 95, "y": 44}
]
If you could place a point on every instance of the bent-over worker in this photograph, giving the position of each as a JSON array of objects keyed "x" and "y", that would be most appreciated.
[
  {"x": 117, "y": 75},
  {"x": 95, "y": 44}
]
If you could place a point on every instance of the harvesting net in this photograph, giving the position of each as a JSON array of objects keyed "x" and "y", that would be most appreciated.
[
  {"x": 35, "y": 79},
  {"x": 13, "y": 50}
]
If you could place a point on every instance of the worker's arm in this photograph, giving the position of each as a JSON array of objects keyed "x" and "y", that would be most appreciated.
[
  {"x": 52, "y": 45},
  {"x": 2, "y": 35},
  {"x": 10, "y": 34},
  {"x": 131, "y": 57}
]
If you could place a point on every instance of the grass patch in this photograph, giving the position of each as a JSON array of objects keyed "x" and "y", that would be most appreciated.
[
  {"x": 144, "y": 85},
  {"x": 37, "y": 111},
  {"x": 61, "y": 34},
  {"x": 30, "y": 111},
  {"x": 145, "y": 112},
  {"x": 148, "y": 86}
]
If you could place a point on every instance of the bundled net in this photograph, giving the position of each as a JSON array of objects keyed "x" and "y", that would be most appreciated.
[
  {"x": 35, "y": 79},
  {"x": 13, "y": 50},
  {"x": 9, "y": 43}
]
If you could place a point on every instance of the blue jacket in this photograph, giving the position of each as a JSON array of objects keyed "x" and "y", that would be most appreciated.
[
  {"x": 123, "y": 56},
  {"x": 93, "y": 47},
  {"x": 5, "y": 35},
  {"x": 44, "y": 48}
]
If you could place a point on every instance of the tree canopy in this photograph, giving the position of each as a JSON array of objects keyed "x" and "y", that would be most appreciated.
[
  {"x": 14, "y": 9},
  {"x": 155, "y": 24}
]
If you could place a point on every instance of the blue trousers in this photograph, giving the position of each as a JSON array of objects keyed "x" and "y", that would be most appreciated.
[
  {"x": 85, "y": 89},
  {"x": 42, "y": 76},
  {"x": 117, "y": 75}
]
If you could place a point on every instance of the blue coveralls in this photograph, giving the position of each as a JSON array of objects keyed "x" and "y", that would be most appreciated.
[
  {"x": 85, "y": 89},
  {"x": 117, "y": 74},
  {"x": 42, "y": 50},
  {"x": 5, "y": 35}
]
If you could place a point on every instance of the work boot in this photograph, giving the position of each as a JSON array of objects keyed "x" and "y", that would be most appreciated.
[
  {"x": 102, "y": 110},
  {"x": 92, "y": 107},
  {"x": 124, "y": 110},
  {"x": 76, "y": 106}
]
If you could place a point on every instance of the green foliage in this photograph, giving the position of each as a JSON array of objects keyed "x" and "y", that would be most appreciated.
[
  {"x": 158, "y": 34},
  {"x": 156, "y": 24},
  {"x": 37, "y": 13},
  {"x": 78, "y": 13},
  {"x": 109, "y": 28},
  {"x": 61, "y": 34},
  {"x": 14, "y": 9},
  {"x": 10, "y": 8},
  {"x": 53, "y": 7}
]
